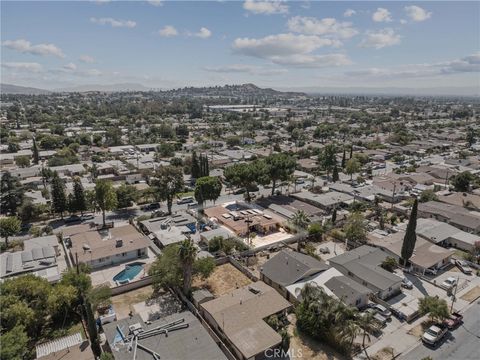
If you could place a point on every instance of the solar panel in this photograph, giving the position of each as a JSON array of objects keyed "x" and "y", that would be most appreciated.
[
  {"x": 26, "y": 256},
  {"x": 37, "y": 253},
  {"x": 48, "y": 252},
  {"x": 9, "y": 265}
]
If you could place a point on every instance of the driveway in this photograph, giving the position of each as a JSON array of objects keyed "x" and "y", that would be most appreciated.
[{"x": 461, "y": 343}]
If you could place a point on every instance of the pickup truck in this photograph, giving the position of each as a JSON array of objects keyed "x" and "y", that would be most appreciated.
[
  {"x": 453, "y": 321},
  {"x": 434, "y": 334}
]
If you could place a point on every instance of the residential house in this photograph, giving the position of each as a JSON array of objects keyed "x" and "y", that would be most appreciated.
[{"x": 238, "y": 318}]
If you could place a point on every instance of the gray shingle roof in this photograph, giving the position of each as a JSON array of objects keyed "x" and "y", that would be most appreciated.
[{"x": 288, "y": 267}]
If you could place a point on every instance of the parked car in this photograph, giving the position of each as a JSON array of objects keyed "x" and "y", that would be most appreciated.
[
  {"x": 463, "y": 266},
  {"x": 86, "y": 217},
  {"x": 454, "y": 320},
  {"x": 382, "y": 310},
  {"x": 407, "y": 284},
  {"x": 450, "y": 283},
  {"x": 239, "y": 191},
  {"x": 192, "y": 205},
  {"x": 434, "y": 334},
  {"x": 151, "y": 207},
  {"x": 185, "y": 200},
  {"x": 73, "y": 219},
  {"x": 324, "y": 250},
  {"x": 378, "y": 318}
]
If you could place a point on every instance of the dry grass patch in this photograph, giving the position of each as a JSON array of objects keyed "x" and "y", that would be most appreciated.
[
  {"x": 224, "y": 279},
  {"x": 123, "y": 303},
  {"x": 385, "y": 354},
  {"x": 472, "y": 294}
]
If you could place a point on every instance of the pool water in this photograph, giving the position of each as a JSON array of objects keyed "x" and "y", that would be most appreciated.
[{"x": 129, "y": 273}]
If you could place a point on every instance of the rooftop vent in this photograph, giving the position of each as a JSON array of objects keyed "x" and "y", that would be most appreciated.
[{"x": 119, "y": 243}]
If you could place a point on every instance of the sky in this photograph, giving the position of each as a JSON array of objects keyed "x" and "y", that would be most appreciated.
[{"x": 279, "y": 44}]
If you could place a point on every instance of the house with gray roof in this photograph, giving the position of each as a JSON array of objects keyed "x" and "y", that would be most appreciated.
[
  {"x": 458, "y": 216},
  {"x": 363, "y": 265},
  {"x": 185, "y": 338},
  {"x": 288, "y": 267}
]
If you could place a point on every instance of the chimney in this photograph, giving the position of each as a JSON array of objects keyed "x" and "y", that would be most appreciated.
[{"x": 119, "y": 243}]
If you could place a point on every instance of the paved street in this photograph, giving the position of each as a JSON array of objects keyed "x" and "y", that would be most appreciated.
[{"x": 462, "y": 343}]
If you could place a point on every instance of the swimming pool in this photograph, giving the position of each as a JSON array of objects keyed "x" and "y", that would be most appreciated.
[{"x": 129, "y": 273}]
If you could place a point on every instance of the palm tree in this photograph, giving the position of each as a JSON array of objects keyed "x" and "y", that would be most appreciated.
[
  {"x": 300, "y": 219},
  {"x": 365, "y": 321},
  {"x": 187, "y": 254}
]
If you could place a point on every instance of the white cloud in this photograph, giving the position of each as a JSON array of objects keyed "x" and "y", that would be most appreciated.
[
  {"x": 25, "y": 46},
  {"x": 349, "y": 13},
  {"x": 327, "y": 26},
  {"x": 417, "y": 14},
  {"x": 466, "y": 64},
  {"x": 114, "y": 22},
  {"x": 248, "y": 69},
  {"x": 204, "y": 33},
  {"x": 403, "y": 21},
  {"x": 281, "y": 44},
  {"x": 291, "y": 49},
  {"x": 382, "y": 15},
  {"x": 168, "y": 31},
  {"x": 313, "y": 61},
  {"x": 156, "y": 2},
  {"x": 87, "y": 59},
  {"x": 380, "y": 39},
  {"x": 266, "y": 7},
  {"x": 23, "y": 66},
  {"x": 70, "y": 66}
]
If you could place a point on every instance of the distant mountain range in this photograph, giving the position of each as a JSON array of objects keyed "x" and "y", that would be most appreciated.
[
  {"x": 22, "y": 90},
  {"x": 437, "y": 91},
  {"x": 105, "y": 88},
  {"x": 251, "y": 90}
]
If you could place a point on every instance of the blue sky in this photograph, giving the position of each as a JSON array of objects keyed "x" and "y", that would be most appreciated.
[{"x": 166, "y": 44}]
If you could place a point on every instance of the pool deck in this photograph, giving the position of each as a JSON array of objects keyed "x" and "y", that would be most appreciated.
[{"x": 105, "y": 276}]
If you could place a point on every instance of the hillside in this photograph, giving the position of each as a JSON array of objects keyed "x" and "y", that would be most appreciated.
[{"x": 22, "y": 90}]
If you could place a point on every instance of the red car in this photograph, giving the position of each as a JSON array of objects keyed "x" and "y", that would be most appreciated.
[{"x": 454, "y": 320}]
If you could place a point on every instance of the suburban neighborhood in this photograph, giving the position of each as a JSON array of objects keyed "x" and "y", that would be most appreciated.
[{"x": 239, "y": 222}]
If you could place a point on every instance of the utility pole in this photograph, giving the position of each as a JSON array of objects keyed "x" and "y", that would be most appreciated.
[{"x": 454, "y": 294}]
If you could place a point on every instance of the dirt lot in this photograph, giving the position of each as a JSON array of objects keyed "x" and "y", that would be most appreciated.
[
  {"x": 303, "y": 346},
  {"x": 224, "y": 279},
  {"x": 123, "y": 303},
  {"x": 384, "y": 354},
  {"x": 471, "y": 295}
]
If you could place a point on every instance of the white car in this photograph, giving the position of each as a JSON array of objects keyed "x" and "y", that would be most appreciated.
[
  {"x": 382, "y": 310},
  {"x": 407, "y": 284},
  {"x": 450, "y": 282},
  {"x": 434, "y": 334}
]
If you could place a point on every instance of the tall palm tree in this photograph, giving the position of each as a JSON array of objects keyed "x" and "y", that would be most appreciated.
[
  {"x": 187, "y": 254},
  {"x": 301, "y": 219}
]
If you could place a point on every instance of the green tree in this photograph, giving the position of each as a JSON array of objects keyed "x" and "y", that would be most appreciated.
[
  {"x": 80, "y": 203},
  {"x": 436, "y": 308},
  {"x": 462, "y": 181},
  {"x": 328, "y": 158},
  {"x": 335, "y": 176},
  {"x": 279, "y": 167},
  {"x": 300, "y": 219},
  {"x": 204, "y": 267},
  {"x": 195, "y": 168},
  {"x": 243, "y": 175},
  {"x": 126, "y": 195},
  {"x": 11, "y": 194},
  {"x": 22, "y": 161},
  {"x": 428, "y": 195},
  {"x": 410, "y": 237},
  {"x": 187, "y": 254},
  {"x": 352, "y": 167},
  {"x": 9, "y": 226},
  {"x": 344, "y": 159},
  {"x": 105, "y": 197},
  {"x": 14, "y": 344},
  {"x": 389, "y": 263},
  {"x": 59, "y": 198},
  {"x": 36, "y": 156},
  {"x": 168, "y": 182},
  {"x": 207, "y": 188},
  {"x": 355, "y": 228},
  {"x": 470, "y": 136}
]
